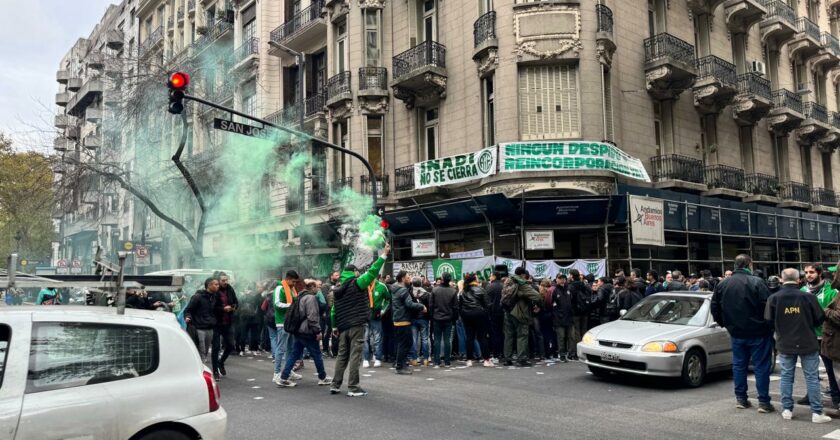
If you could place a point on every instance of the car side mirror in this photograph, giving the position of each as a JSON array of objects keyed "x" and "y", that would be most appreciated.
[{"x": 622, "y": 312}]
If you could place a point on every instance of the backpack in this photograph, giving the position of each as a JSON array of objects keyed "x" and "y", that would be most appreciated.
[
  {"x": 613, "y": 307},
  {"x": 510, "y": 291},
  {"x": 294, "y": 317}
]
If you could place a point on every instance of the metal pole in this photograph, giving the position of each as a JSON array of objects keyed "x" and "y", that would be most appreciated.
[
  {"x": 301, "y": 57},
  {"x": 120, "y": 288}
]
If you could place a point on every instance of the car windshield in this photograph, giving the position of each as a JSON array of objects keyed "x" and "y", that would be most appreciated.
[{"x": 676, "y": 310}]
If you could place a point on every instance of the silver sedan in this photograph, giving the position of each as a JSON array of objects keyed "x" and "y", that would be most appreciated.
[{"x": 667, "y": 334}]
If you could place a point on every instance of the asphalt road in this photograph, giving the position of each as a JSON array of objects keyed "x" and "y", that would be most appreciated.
[{"x": 549, "y": 401}]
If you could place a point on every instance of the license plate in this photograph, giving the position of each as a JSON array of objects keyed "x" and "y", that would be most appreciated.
[{"x": 610, "y": 357}]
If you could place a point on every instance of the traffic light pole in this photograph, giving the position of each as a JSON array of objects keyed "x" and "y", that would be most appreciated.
[{"x": 293, "y": 132}]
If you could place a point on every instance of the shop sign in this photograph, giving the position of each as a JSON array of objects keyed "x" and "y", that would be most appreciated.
[
  {"x": 563, "y": 156},
  {"x": 423, "y": 248},
  {"x": 455, "y": 169},
  {"x": 647, "y": 221},
  {"x": 539, "y": 240}
]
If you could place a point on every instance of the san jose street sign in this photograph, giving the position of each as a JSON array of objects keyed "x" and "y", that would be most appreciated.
[{"x": 243, "y": 129}]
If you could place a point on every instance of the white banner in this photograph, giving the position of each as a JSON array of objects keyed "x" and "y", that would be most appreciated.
[
  {"x": 510, "y": 263},
  {"x": 414, "y": 268},
  {"x": 423, "y": 248},
  {"x": 647, "y": 221},
  {"x": 542, "y": 269},
  {"x": 569, "y": 156},
  {"x": 539, "y": 240},
  {"x": 595, "y": 267},
  {"x": 455, "y": 169},
  {"x": 478, "y": 253},
  {"x": 550, "y": 269}
]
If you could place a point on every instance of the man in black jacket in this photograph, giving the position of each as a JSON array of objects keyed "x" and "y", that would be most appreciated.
[
  {"x": 581, "y": 296},
  {"x": 497, "y": 314},
  {"x": 795, "y": 315},
  {"x": 226, "y": 305},
  {"x": 678, "y": 283},
  {"x": 444, "y": 311},
  {"x": 200, "y": 313},
  {"x": 403, "y": 310},
  {"x": 738, "y": 305},
  {"x": 563, "y": 318}
]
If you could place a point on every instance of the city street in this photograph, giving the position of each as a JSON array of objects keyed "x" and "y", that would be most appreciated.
[{"x": 544, "y": 402}]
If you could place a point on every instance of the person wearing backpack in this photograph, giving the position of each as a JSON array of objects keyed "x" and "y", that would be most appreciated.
[
  {"x": 303, "y": 322},
  {"x": 614, "y": 305},
  {"x": 474, "y": 308},
  {"x": 518, "y": 299},
  {"x": 350, "y": 315}
]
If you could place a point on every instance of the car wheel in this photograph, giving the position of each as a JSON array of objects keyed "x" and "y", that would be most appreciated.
[
  {"x": 165, "y": 434},
  {"x": 694, "y": 368},
  {"x": 599, "y": 372}
]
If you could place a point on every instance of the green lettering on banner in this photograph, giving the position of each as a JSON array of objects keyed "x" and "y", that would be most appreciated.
[
  {"x": 455, "y": 169},
  {"x": 559, "y": 156}
]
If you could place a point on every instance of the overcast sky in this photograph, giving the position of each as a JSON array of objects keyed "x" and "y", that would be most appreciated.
[{"x": 34, "y": 36}]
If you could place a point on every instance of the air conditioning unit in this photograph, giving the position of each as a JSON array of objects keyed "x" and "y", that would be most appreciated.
[{"x": 759, "y": 67}]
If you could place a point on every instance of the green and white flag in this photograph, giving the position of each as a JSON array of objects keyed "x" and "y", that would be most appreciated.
[
  {"x": 455, "y": 169},
  {"x": 576, "y": 155},
  {"x": 482, "y": 267}
]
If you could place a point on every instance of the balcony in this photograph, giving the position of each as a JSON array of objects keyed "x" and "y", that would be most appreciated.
[
  {"x": 93, "y": 115},
  {"x": 339, "y": 184},
  {"x": 61, "y": 144},
  {"x": 91, "y": 90},
  {"x": 318, "y": 193},
  {"x": 419, "y": 74},
  {"x": 373, "y": 82},
  {"x": 95, "y": 60},
  {"x": 180, "y": 14},
  {"x": 216, "y": 31},
  {"x": 151, "y": 42},
  {"x": 815, "y": 124},
  {"x": 725, "y": 181},
  {"x": 829, "y": 53},
  {"x": 115, "y": 39},
  {"x": 404, "y": 179},
  {"x": 484, "y": 35},
  {"x": 806, "y": 43},
  {"x": 62, "y": 98},
  {"x": 72, "y": 132},
  {"x": 62, "y": 121},
  {"x": 716, "y": 84},
  {"x": 74, "y": 84},
  {"x": 92, "y": 142},
  {"x": 754, "y": 99},
  {"x": 170, "y": 26},
  {"x": 795, "y": 195},
  {"x": 604, "y": 33},
  {"x": 339, "y": 92},
  {"x": 741, "y": 15},
  {"x": 677, "y": 171},
  {"x": 382, "y": 186},
  {"x": 824, "y": 197},
  {"x": 670, "y": 66},
  {"x": 831, "y": 141},
  {"x": 191, "y": 8},
  {"x": 223, "y": 92},
  {"x": 763, "y": 188},
  {"x": 304, "y": 30},
  {"x": 62, "y": 76},
  {"x": 786, "y": 114},
  {"x": 779, "y": 25},
  {"x": 246, "y": 55},
  {"x": 314, "y": 116}
]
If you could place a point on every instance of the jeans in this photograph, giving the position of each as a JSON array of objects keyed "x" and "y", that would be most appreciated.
[
  {"x": 350, "y": 343},
  {"x": 442, "y": 335},
  {"x": 811, "y": 371},
  {"x": 373, "y": 336},
  {"x": 476, "y": 330},
  {"x": 419, "y": 330},
  {"x": 760, "y": 351},
  {"x": 461, "y": 334},
  {"x": 280, "y": 345},
  {"x": 565, "y": 339},
  {"x": 222, "y": 335},
  {"x": 537, "y": 337},
  {"x": 516, "y": 333},
  {"x": 205, "y": 339},
  {"x": 402, "y": 336},
  {"x": 308, "y": 342},
  {"x": 832, "y": 379}
]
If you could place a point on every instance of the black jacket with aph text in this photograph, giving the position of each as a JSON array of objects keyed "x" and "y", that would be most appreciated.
[{"x": 795, "y": 314}]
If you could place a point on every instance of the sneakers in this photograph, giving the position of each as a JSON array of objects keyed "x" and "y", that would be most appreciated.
[
  {"x": 426, "y": 362},
  {"x": 414, "y": 363},
  {"x": 469, "y": 363},
  {"x": 286, "y": 384},
  {"x": 524, "y": 364},
  {"x": 563, "y": 359},
  {"x": 357, "y": 393},
  {"x": 743, "y": 404},
  {"x": 377, "y": 363},
  {"x": 508, "y": 363},
  {"x": 222, "y": 369},
  {"x": 216, "y": 376},
  {"x": 276, "y": 378},
  {"x": 365, "y": 364},
  {"x": 241, "y": 353},
  {"x": 437, "y": 366},
  {"x": 295, "y": 376},
  {"x": 325, "y": 381},
  {"x": 820, "y": 418},
  {"x": 788, "y": 414},
  {"x": 765, "y": 408},
  {"x": 447, "y": 365},
  {"x": 334, "y": 390},
  {"x": 489, "y": 364}
]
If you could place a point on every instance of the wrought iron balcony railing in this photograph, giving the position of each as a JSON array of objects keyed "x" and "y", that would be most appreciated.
[
  {"x": 605, "y": 18},
  {"x": 797, "y": 192},
  {"x": 824, "y": 197},
  {"x": 299, "y": 21},
  {"x": 784, "y": 98},
  {"x": 338, "y": 85},
  {"x": 816, "y": 111},
  {"x": 830, "y": 42},
  {"x": 373, "y": 78},
  {"x": 762, "y": 185},
  {"x": 780, "y": 9},
  {"x": 754, "y": 84},
  {"x": 714, "y": 67},
  {"x": 677, "y": 167},
  {"x": 338, "y": 184},
  {"x": 427, "y": 53},
  {"x": 725, "y": 177},
  {"x": 664, "y": 45},
  {"x": 484, "y": 28},
  {"x": 404, "y": 178},
  {"x": 382, "y": 187},
  {"x": 246, "y": 49},
  {"x": 315, "y": 104},
  {"x": 808, "y": 27},
  {"x": 213, "y": 33},
  {"x": 153, "y": 39}
]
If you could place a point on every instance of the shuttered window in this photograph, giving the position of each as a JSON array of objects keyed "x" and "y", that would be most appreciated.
[{"x": 549, "y": 106}]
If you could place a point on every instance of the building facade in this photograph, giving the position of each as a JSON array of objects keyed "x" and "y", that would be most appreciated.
[{"x": 732, "y": 107}]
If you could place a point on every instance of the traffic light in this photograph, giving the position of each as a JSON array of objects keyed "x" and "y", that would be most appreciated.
[{"x": 178, "y": 82}]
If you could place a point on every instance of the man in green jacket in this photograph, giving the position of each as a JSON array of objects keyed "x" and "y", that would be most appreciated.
[
  {"x": 518, "y": 319},
  {"x": 825, "y": 293},
  {"x": 373, "y": 338},
  {"x": 351, "y": 314},
  {"x": 284, "y": 294}
]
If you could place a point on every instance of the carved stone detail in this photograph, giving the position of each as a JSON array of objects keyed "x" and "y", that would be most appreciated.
[
  {"x": 558, "y": 43},
  {"x": 529, "y": 48},
  {"x": 488, "y": 62},
  {"x": 605, "y": 50},
  {"x": 373, "y": 106},
  {"x": 377, "y": 4},
  {"x": 341, "y": 111},
  {"x": 337, "y": 8}
]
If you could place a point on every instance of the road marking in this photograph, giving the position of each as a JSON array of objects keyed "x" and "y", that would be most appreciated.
[
  {"x": 371, "y": 371},
  {"x": 366, "y": 375},
  {"x": 430, "y": 378},
  {"x": 835, "y": 435},
  {"x": 259, "y": 398},
  {"x": 416, "y": 369},
  {"x": 251, "y": 380},
  {"x": 540, "y": 372},
  {"x": 256, "y": 387}
]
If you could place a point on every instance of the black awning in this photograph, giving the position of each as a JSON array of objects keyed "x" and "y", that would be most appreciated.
[
  {"x": 452, "y": 213},
  {"x": 567, "y": 211}
]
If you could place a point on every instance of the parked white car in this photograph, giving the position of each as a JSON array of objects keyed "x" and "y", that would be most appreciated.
[{"x": 87, "y": 373}]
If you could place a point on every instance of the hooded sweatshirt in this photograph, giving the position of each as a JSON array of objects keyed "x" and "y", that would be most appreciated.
[
  {"x": 824, "y": 297},
  {"x": 282, "y": 300},
  {"x": 352, "y": 301}
]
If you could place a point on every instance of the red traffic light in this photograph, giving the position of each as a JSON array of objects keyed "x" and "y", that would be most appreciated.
[
  {"x": 384, "y": 224},
  {"x": 179, "y": 81}
]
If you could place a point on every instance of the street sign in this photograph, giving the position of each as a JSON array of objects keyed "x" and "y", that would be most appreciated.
[
  {"x": 76, "y": 266},
  {"x": 141, "y": 256},
  {"x": 128, "y": 246},
  {"x": 23, "y": 262},
  {"x": 62, "y": 263},
  {"x": 240, "y": 128}
]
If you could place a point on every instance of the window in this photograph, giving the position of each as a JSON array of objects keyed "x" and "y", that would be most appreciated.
[
  {"x": 429, "y": 20},
  {"x": 249, "y": 98},
  {"x": 5, "y": 338},
  {"x": 657, "y": 126},
  {"x": 807, "y": 175},
  {"x": 548, "y": 102},
  {"x": 609, "y": 128},
  {"x": 341, "y": 48},
  {"x": 372, "y": 41},
  {"x": 341, "y": 137},
  {"x": 745, "y": 139},
  {"x": 319, "y": 70},
  {"x": 249, "y": 28},
  {"x": 828, "y": 182},
  {"x": 489, "y": 110},
  {"x": 651, "y": 18},
  {"x": 66, "y": 355},
  {"x": 262, "y": 198},
  {"x": 374, "y": 144},
  {"x": 430, "y": 134}
]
